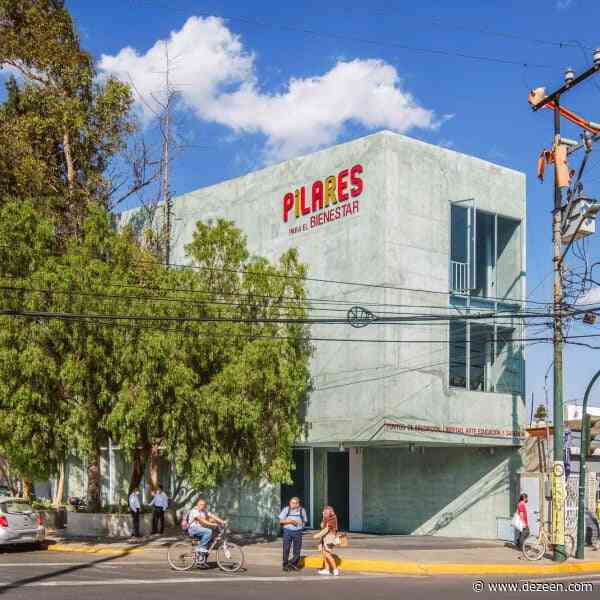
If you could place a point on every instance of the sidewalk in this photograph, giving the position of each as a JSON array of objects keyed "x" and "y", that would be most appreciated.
[{"x": 409, "y": 555}]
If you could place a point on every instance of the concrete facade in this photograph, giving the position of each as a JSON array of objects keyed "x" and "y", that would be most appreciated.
[{"x": 425, "y": 456}]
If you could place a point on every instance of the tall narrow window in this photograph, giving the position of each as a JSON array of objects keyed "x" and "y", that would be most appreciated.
[
  {"x": 481, "y": 357},
  {"x": 462, "y": 242},
  {"x": 458, "y": 354},
  {"x": 509, "y": 360},
  {"x": 509, "y": 259},
  {"x": 485, "y": 247}
]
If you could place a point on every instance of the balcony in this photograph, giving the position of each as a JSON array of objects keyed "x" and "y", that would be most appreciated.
[{"x": 459, "y": 277}]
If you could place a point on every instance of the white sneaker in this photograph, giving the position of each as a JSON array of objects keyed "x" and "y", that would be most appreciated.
[
  {"x": 323, "y": 572},
  {"x": 336, "y": 573}
]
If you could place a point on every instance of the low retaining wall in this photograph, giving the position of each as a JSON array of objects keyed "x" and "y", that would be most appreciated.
[
  {"x": 108, "y": 525},
  {"x": 53, "y": 519}
]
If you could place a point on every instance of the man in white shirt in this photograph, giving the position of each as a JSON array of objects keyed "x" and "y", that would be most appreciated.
[
  {"x": 159, "y": 503},
  {"x": 201, "y": 524},
  {"x": 135, "y": 507}
]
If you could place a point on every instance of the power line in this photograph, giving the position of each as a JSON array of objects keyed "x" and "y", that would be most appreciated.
[
  {"x": 391, "y": 320},
  {"x": 414, "y": 317},
  {"x": 249, "y": 271},
  {"x": 372, "y": 42},
  {"x": 188, "y": 331}
]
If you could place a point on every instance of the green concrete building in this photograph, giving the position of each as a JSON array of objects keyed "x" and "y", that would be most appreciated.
[{"x": 410, "y": 428}]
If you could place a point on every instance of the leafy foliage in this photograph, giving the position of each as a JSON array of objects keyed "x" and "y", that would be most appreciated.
[
  {"x": 60, "y": 126},
  {"x": 215, "y": 384}
]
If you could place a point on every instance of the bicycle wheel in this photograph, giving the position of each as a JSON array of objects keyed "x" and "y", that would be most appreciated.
[
  {"x": 569, "y": 545},
  {"x": 230, "y": 557},
  {"x": 181, "y": 556},
  {"x": 533, "y": 548}
]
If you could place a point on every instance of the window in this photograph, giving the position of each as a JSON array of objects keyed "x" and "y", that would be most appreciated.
[
  {"x": 485, "y": 253},
  {"x": 481, "y": 357},
  {"x": 462, "y": 251},
  {"x": 458, "y": 354},
  {"x": 509, "y": 258},
  {"x": 15, "y": 507},
  {"x": 485, "y": 356}
]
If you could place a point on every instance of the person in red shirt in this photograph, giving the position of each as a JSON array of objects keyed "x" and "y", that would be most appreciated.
[{"x": 522, "y": 510}]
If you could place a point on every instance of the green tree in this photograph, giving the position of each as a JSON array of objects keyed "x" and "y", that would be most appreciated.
[
  {"x": 540, "y": 412},
  {"x": 60, "y": 126},
  {"x": 33, "y": 403},
  {"x": 220, "y": 396}
]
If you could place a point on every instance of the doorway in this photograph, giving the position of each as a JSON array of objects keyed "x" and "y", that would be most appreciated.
[
  {"x": 300, "y": 485},
  {"x": 338, "y": 486}
]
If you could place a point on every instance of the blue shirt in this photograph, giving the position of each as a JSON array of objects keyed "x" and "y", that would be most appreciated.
[
  {"x": 160, "y": 500},
  {"x": 298, "y": 514}
]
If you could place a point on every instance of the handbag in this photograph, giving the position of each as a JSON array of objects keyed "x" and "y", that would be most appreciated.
[{"x": 517, "y": 522}]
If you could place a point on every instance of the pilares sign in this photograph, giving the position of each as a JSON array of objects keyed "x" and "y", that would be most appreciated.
[{"x": 329, "y": 199}]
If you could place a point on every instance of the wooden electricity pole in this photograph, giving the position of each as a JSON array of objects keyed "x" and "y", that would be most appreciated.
[{"x": 558, "y": 471}]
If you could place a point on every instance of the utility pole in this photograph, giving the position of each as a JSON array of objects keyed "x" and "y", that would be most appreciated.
[{"x": 558, "y": 470}]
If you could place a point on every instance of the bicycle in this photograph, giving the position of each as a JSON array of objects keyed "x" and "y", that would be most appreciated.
[
  {"x": 536, "y": 547},
  {"x": 182, "y": 555}
]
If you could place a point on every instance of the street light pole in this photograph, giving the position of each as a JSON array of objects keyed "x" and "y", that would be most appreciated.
[{"x": 583, "y": 452}]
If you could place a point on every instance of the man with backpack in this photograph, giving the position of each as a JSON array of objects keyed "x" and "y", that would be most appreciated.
[{"x": 293, "y": 519}]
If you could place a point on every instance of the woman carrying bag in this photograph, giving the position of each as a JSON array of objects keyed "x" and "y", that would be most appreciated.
[
  {"x": 521, "y": 521},
  {"x": 328, "y": 539}
]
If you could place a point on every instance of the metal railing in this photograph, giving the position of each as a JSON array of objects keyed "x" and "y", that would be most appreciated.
[{"x": 459, "y": 277}]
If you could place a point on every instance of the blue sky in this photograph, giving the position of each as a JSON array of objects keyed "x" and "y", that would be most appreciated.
[{"x": 478, "y": 107}]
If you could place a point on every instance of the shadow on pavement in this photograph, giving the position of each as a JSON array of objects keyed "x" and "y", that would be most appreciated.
[{"x": 71, "y": 569}]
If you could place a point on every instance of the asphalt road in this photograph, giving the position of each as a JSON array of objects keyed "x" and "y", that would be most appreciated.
[{"x": 57, "y": 576}]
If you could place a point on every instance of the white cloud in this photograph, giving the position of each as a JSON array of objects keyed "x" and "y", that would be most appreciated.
[
  {"x": 563, "y": 4},
  {"x": 205, "y": 58},
  {"x": 217, "y": 79}
]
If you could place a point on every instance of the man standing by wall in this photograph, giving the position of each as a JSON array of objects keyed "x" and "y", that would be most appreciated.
[
  {"x": 159, "y": 503},
  {"x": 293, "y": 518},
  {"x": 135, "y": 508}
]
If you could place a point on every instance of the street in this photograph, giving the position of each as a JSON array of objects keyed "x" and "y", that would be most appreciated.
[{"x": 54, "y": 576}]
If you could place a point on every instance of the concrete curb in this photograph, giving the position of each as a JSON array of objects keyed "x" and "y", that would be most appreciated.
[
  {"x": 415, "y": 568},
  {"x": 93, "y": 550},
  {"x": 386, "y": 566}
]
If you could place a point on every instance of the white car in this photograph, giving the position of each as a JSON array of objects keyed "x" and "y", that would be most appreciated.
[{"x": 19, "y": 523}]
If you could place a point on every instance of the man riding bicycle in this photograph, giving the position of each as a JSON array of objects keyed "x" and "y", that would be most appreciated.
[{"x": 201, "y": 524}]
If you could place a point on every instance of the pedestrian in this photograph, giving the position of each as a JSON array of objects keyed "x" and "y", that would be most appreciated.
[
  {"x": 201, "y": 525},
  {"x": 293, "y": 518},
  {"x": 159, "y": 503},
  {"x": 135, "y": 508},
  {"x": 328, "y": 539},
  {"x": 522, "y": 512}
]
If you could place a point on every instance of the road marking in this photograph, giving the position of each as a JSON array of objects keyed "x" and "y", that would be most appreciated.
[{"x": 196, "y": 580}]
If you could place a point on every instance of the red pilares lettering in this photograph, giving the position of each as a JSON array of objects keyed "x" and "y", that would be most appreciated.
[{"x": 329, "y": 199}]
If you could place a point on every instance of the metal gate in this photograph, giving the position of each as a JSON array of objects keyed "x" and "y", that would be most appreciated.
[{"x": 571, "y": 508}]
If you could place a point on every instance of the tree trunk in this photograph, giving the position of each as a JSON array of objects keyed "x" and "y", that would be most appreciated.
[
  {"x": 7, "y": 477},
  {"x": 138, "y": 467},
  {"x": 154, "y": 466},
  {"x": 26, "y": 489},
  {"x": 93, "y": 479},
  {"x": 69, "y": 161},
  {"x": 59, "y": 492}
]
